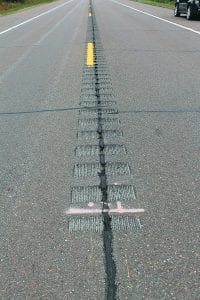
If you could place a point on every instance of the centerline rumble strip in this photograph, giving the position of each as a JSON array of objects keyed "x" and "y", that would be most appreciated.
[{"x": 97, "y": 205}]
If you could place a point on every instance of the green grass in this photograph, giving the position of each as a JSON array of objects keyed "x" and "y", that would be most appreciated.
[
  {"x": 161, "y": 3},
  {"x": 12, "y": 7}
]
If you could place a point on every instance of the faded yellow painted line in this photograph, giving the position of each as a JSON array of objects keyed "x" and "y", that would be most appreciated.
[
  {"x": 127, "y": 266},
  {"x": 90, "y": 55}
]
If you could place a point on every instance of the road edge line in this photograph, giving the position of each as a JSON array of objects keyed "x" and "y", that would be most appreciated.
[
  {"x": 158, "y": 18},
  {"x": 34, "y": 18}
]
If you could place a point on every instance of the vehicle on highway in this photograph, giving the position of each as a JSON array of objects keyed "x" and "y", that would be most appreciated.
[{"x": 189, "y": 7}]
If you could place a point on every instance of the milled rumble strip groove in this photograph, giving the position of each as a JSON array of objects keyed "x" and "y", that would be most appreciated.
[
  {"x": 93, "y": 150},
  {"x": 92, "y": 134},
  {"x": 102, "y": 85},
  {"x": 92, "y": 103},
  {"x": 95, "y": 224},
  {"x": 92, "y": 123},
  {"x": 93, "y": 111},
  {"x": 116, "y": 192},
  {"x": 94, "y": 169}
]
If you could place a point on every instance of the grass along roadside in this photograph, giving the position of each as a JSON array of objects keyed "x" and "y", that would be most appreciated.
[
  {"x": 12, "y": 7},
  {"x": 161, "y": 3}
]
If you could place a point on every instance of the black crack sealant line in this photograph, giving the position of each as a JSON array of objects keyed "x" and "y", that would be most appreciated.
[{"x": 107, "y": 234}]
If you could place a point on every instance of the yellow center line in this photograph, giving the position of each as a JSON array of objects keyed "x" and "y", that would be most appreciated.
[
  {"x": 90, "y": 55},
  {"x": 127, "y": 266}
]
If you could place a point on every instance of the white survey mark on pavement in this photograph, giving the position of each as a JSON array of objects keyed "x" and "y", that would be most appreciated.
[
  {"x": 34, "y": 18},
  {"x": 156, "y": 17},
  {"x": 91, "y": 210}
]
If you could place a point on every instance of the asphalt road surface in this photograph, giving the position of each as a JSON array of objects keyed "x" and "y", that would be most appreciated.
[{"x": 99, "y": 152}]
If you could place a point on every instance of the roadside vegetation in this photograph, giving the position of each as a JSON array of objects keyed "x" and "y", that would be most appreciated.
[
  {"x": 7, "y": 7},
  {"x": 11, "y": 6},
  {"x": 161, "y": 3}
]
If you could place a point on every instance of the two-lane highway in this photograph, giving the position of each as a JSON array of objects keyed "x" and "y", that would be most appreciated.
[{"x": 99, "y": 155}]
